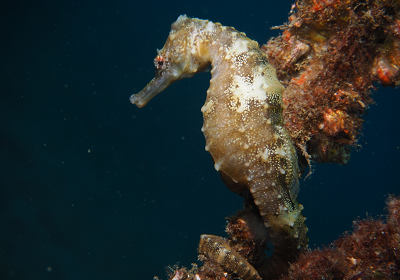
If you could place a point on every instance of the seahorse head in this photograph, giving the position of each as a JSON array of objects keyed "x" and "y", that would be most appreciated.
[{"x": 184, "y": 54}]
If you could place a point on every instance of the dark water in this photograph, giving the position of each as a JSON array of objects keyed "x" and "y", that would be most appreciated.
[{"x": 93, "y": 187}]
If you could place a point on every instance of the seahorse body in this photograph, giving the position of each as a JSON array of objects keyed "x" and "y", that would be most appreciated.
[{"x": 243, "y": 122}]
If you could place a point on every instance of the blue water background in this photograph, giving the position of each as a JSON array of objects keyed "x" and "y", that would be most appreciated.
[{"x": 94, "y": 188}]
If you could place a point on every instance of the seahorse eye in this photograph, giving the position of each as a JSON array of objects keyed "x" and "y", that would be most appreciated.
[{"x": 159, "y": 62}]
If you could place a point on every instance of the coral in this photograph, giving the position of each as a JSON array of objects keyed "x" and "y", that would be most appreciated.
[
  {"x": 328, "y": 57},
  {"x": 371, "y": 251}
]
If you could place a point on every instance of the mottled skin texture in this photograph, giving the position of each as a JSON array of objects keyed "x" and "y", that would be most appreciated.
[
  {"x": 243, "y": 123},
  {"x": 217, "y": 249}
]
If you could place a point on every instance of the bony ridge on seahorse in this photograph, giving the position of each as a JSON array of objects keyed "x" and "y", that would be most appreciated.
[{"x": 243, "y": 122}]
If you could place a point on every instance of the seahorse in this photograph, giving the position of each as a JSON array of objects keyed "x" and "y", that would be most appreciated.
[
  {"x": 218, "y": 249},
  {"x": 243, "y": 122}
]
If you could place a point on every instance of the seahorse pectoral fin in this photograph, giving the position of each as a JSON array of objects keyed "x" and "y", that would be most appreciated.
[{"x": 156, "y": 85}]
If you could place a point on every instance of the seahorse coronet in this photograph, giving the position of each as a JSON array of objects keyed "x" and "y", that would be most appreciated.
[{"x": 243, "y": 121}]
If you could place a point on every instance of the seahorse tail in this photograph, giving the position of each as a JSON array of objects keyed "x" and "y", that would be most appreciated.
[
  {"x": 216, "y": 249},
  {"x": 285, "y": 223},
  {"x": 265, "y": 197}
]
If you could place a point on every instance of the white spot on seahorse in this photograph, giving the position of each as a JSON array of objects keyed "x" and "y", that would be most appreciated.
[
  {"x": 244, "y": 91},
  {"x": 210, "y": 27},
  {"x": 207, "y": 107},
  {"x": 265, "y": 155},
  {"x": 217, "y": 165},
  {"x": 280, "y": 151},
  {"x": 240, "y": 46}
]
